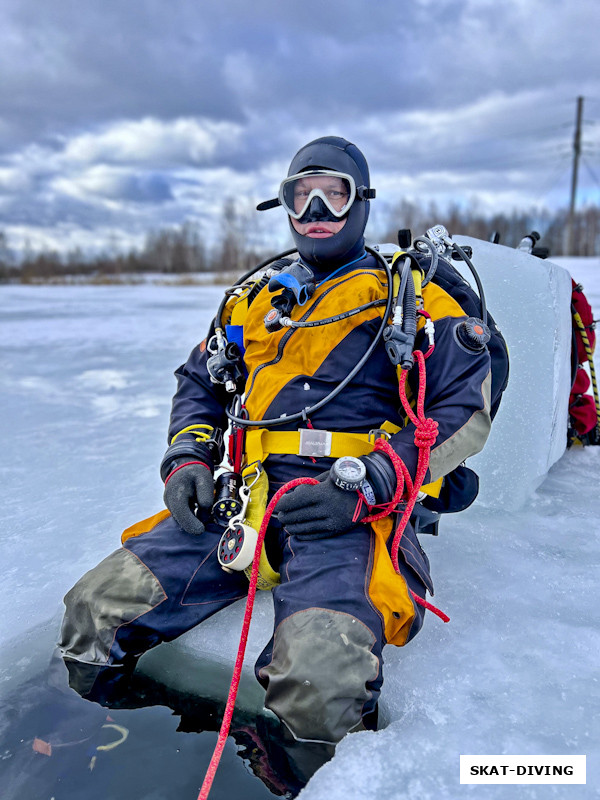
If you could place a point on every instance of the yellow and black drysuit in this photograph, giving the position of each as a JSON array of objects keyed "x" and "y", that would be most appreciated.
[{"x": 338, "y": 601}]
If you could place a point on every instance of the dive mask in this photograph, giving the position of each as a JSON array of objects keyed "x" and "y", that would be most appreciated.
[{"x": 336, "y": 190}]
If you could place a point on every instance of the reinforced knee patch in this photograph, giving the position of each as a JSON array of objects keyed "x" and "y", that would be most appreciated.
[
  {"x": 317, "y": 679},
  {"x": 115, "y": 592}
]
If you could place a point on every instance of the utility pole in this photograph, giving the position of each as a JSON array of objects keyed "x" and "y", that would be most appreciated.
[{"x": 576, "y": 154}]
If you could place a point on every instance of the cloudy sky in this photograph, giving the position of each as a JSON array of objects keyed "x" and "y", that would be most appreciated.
[{"x": 119, "y": 116}]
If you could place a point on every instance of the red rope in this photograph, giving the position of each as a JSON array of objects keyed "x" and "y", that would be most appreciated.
[
  {"x": 429, "y": 606},
  {"x": 426, "y": 430},
  {"x": 237, "y": 670}
]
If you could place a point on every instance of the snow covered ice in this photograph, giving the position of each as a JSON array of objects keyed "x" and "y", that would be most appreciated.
[{"x": 86, "y": 384}]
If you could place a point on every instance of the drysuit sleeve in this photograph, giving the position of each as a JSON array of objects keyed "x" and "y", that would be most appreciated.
[
  {"x": 197, "y": 399},
  {"x": 457, "y": 397}
]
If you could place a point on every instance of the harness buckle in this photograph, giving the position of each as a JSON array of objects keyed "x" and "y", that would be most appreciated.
[
  {"x": 379, "y": 433},
  {"x": 314, "y": 443}
]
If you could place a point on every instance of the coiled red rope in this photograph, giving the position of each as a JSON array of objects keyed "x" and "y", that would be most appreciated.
[{"x": 426, "y": 431}]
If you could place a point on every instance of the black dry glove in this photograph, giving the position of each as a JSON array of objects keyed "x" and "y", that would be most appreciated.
[
  {"x": 188, "y": 487},
  {"x": 317, "y": 511}
]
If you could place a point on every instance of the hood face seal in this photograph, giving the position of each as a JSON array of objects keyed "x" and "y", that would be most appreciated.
[{"x": 334, "y": 153}]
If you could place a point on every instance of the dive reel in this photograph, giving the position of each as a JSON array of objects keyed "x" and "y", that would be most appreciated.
[
  {"x": 236, "y": 547},
  {"x": 235, "y": 551}
]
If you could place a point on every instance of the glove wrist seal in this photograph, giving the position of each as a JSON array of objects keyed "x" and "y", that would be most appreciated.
[
  {"x": 185, "y": 449},
  {"x": 381, "y": 475}
]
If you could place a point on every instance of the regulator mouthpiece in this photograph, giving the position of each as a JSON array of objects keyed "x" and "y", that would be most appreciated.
[
  {"x": 296, "y": 279},
  {"x": 298, "y": 284}
]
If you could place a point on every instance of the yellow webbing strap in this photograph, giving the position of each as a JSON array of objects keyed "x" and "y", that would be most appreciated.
[
  {"x": 240, "y": 311},
  {"x": 398, "y": 254},
  {"x": 236, "y": 299},
  {"x": 236, "y": 308},
  {"x": 259, "y": 490},
  {"x": 260, "y": 443},
  {"x": 395, "y": 284},
  {"x": 417, "y": 274},
  {"x": 418, "y": 281}
]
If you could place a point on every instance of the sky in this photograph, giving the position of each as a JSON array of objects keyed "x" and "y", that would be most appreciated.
[{"x": 121, "y": 117}]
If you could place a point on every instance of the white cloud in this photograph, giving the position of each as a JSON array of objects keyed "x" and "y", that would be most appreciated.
[
  {"x": 154, "y": 141},
  {"x": 13, "y": 180},
  {"x": 106, "y": 182}
]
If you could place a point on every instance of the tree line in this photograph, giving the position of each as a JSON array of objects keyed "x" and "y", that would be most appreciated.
[
  {"x": 182, "y": 250},
  {"x": 508, "y": 229}
]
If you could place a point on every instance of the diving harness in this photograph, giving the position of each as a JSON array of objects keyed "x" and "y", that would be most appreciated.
[{"x": 241, "y": 493}]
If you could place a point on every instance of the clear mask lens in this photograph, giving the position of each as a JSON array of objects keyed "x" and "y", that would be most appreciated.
[{"x": 336, "y": 189}]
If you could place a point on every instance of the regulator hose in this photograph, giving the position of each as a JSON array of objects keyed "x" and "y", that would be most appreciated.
[
  {"x": 306, "y": 412},
  {"x": 469, "y": 263},
  {"x": 245, "y": 277},
  {"x": 434, "y": 257}
]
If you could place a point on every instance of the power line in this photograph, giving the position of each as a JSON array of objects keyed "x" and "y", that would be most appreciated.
[
  {"x": 557, "y": 176},
  {"x": 591, "y": 171},
  {"x": 515, "y": 160},
  {"x": 478, "y": 143}
]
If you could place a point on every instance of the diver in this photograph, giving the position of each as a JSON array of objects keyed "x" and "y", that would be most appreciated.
[{"x": 300, "y": 398}]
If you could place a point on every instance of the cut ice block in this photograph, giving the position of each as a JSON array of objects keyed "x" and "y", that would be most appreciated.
[{"x": 530, "y": 300}]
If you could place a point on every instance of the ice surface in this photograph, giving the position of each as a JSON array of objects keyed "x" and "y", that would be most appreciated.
[{"x": 86, "y": 382}]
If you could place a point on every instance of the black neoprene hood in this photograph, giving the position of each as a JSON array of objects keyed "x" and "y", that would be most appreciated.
[{"x": 333, "y": 152}]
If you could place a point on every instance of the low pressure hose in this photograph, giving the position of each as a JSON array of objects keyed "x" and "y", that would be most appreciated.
[
  {"x": 409, "y": 302},
  {"x": 423, "y": 240},
  {"x": 469, "y": 263},
  {"x": 245, "y": 277}
]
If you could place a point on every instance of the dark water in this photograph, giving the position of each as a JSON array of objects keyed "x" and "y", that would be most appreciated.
[{"x": 163, "y": 753}]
